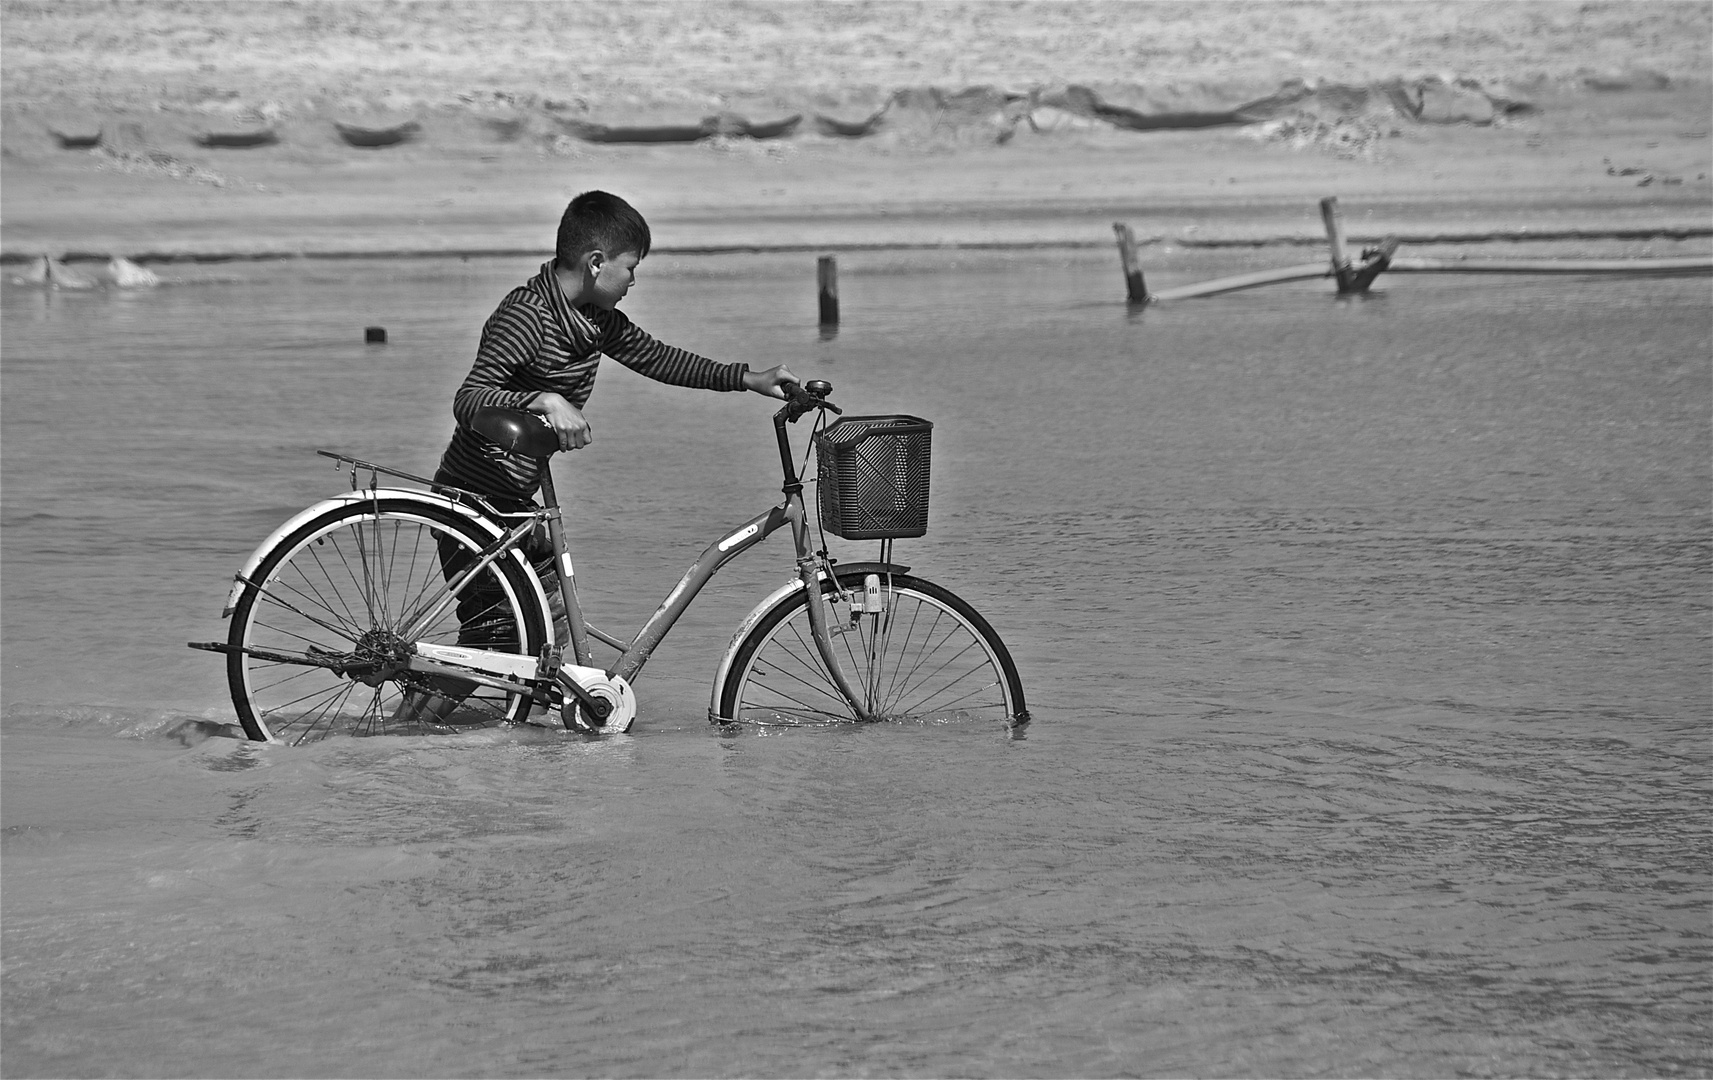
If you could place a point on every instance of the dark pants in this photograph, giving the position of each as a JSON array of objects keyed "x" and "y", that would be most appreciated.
[{"x": 485, "y": 618}]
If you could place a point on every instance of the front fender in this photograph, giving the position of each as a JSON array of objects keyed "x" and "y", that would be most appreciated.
[{"x": 484, "y": 525}]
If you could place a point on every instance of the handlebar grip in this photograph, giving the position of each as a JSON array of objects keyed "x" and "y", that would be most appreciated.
[{"x": 805, "y": 397}]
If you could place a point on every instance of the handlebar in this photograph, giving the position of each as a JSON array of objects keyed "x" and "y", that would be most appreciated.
[
  {"x": 516, "y": 431},
  {"x": 799, "y": 401},
  {"x": 805, "y": 398}
]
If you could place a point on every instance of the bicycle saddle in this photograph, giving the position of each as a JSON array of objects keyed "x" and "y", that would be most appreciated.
[{"x": 516, "y": 431}]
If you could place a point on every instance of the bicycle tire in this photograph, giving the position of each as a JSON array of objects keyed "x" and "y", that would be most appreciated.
[
  {"x": 344, "y": 584},
  {"x": 913, "y": 662}
]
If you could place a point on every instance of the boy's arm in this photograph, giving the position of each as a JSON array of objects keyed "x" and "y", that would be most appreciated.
[
  {"x": 627, "y": 343},
  {"x": 512, "y": 336}
]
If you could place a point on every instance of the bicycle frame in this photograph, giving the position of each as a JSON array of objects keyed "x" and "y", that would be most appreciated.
[
  {"x": 532, "y": 676},
  {"x": 633, "y": 656}
]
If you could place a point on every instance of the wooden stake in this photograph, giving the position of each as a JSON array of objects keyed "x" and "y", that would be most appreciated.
[
  {"x": 1384, "y": 259},
  {"x": 1341, "y": 268},
  {"x": 1134, "y": 286},
  {"x": 1373, "y": 263},
  {"x": 827, "y": 277}
]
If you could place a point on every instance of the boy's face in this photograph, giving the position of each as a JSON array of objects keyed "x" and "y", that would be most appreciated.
[{"x": 614, "y": 275}]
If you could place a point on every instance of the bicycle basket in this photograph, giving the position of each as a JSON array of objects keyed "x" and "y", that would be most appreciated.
[{"x": 874, "y": 476}]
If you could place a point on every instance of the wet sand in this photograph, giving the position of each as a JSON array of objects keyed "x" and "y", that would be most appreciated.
[{"x": 452, "y": 196}]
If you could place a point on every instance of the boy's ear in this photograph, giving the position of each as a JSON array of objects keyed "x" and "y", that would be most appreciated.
[{"x": 595, "y": 259}]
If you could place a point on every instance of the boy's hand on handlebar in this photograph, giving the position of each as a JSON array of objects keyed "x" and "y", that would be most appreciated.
[
  {"x": 770, "y": 382},
  {"x": 565, "y": 419}
]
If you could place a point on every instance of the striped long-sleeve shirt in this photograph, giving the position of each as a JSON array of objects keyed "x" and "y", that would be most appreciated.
[{"x": 534, "y": 342}]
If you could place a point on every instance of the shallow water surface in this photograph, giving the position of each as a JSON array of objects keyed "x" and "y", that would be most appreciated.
[{"x": 1368, "y": 644}]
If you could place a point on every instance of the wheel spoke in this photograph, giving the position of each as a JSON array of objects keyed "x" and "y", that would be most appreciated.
[
  {"x": 345, "y": 584},
  {"x": 300, "y": 568},
  {"x": 794, "y": 673},
  {"x": 806, "y": 658},
  {"x": 916, "y": 677},
  {"x": 329, "y": 697},
  {"x": 291, "y": 673},
  {"x": 349, "y": 634},
  {"x": 926, "y": 656},
  {"x": 408, "y": 597},
  {"x": 921, "y": 705},
  {"x": 312, "y": 592}
]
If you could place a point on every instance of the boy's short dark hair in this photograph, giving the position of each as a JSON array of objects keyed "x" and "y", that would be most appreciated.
[{"x": 597, "y": 219}]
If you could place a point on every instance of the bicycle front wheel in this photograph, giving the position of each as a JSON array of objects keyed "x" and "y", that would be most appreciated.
[
  {"x": 318, "y": 639},
  {"x": 926, "y": 654}
]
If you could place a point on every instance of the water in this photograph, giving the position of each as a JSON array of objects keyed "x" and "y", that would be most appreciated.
[{"x": 1368, "y": 644}]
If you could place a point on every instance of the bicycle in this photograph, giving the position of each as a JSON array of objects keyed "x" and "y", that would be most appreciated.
[{"x": 402, "y": 610}]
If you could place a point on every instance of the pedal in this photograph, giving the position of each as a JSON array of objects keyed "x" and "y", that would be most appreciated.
[
  {"x": 546, "y": 672},
  {"x": 547, "y": 665}
]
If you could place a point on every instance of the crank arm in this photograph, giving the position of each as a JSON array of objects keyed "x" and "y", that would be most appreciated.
[{"x": 598, "y": 708}]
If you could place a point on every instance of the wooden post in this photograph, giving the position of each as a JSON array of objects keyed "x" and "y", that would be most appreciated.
[
  {"x": 1373, "y": 263},
  {"x": 827, "y": 277},
  {"x": 1134, "y": 286},
  {"x": 1341, "y": 268}
]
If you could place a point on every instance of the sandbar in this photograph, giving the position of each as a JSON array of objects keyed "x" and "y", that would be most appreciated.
[{"x": 1616, "y": 153}]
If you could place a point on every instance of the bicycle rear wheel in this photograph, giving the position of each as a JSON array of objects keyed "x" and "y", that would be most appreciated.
[
  {"x": 317, "y": 641},
  {"x": 928, "y": 655}
]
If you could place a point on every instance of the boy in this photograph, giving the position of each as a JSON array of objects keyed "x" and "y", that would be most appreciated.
[
  {"x": 540, "y": 347},
  {"x": 539, "y": 351}
]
